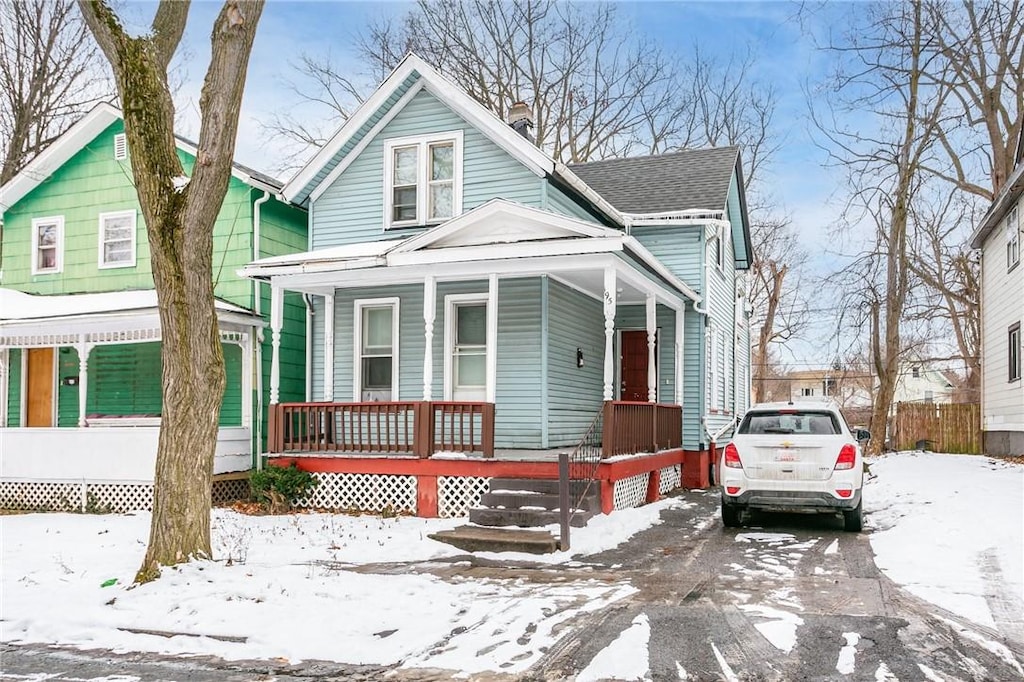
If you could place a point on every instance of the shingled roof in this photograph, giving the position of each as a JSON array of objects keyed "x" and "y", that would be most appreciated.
[{"x": 696, "y": 179}]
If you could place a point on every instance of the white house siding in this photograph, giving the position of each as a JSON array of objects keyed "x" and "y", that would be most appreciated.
[
  {"x": 1002, "y": 404},
  {"x": 351, "y": 209}
]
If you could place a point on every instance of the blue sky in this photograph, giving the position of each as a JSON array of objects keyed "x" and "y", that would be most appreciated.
[{"x": 784, "y": 54}]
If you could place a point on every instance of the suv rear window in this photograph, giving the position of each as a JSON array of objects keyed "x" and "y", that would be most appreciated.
[{"x": 790, "y": 421}]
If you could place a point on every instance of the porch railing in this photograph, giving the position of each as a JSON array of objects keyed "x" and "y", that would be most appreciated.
[
  {"x": 420, "y": 428},
  {"x": 632, "y": 427}
]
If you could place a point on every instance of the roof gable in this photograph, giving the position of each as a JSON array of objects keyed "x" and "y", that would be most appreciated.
[{"x": 78, "y": 136}]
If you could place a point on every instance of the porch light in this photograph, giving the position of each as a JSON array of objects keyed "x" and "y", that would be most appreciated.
[{"x": 579, "y": 357}]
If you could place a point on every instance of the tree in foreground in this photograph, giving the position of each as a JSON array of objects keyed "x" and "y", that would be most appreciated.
[{"x": 179, "y": 222}]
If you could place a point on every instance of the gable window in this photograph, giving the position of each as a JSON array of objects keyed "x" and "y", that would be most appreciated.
[
  {"x": 47, "y": 245},
  {"x": 117, "y": 240},
  {"x": 423, "y": 179},
  {"x": 466, "y": 348},
  {"x": 1012, "y": 239},
  {"x": 1014, "y": 352},
  {"x": 376, "y": 351}
]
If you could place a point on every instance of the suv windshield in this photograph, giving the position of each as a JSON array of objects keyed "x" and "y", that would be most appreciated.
[{"x": 790, "y": 421}]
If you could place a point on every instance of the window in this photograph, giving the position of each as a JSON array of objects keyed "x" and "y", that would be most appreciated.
[
  {"x": 423, "y": 180},
  {"x": 47, "y": 245},
  {"x": 466, "y": 347},
  {"x": 376, "y": 355},
  {"x": 929, "y": 396},
  {"x": 806, "y": 392},
  {"x": 1014, "y": 352},
  {"x": 915, "y": 372},
  {"x": 1012, "y": 239},
  {"x": 117, "y": 240}
]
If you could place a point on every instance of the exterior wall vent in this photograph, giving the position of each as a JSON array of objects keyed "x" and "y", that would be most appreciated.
[{"x": 120, "y": 147}]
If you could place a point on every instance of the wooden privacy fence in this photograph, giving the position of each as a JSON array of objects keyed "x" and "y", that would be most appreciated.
[
  {"x": 401, "y": 427},
  {"x": 939, "y": 427}
]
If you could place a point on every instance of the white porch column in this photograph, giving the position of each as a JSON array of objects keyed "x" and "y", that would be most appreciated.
[
  {"x": 329, "y": 348},
  {"x": 609, "y": 333},
  {"x": 276, "y": 321},
  {"x": 84, "y": 349},
  {"x": 247, "y": 372},
  {"x": 429, "y": 313},
  {"x": 492, "y": 338},
  {"x": 652, "y": 335},
  {"x": 679, "y": 354}
]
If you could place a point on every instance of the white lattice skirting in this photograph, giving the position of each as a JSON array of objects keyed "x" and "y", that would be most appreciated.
[
  {"x": 631, "y": 492},
  {"x": 670, "y": 479},
  {"x": 96, "y": 497},
  {"x": 457, "y": 494},
  {"x": 363, "y": 492}
]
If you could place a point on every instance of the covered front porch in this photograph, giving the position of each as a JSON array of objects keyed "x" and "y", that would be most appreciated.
[{"x": 80, "y": 399}]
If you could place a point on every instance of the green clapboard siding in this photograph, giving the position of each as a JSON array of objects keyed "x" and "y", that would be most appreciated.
[
  {"x": 352, "y": 208},
  {"x": 14, "y": 359}
]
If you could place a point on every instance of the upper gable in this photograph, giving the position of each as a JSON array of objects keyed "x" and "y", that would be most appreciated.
[{"x": 350, "y": 207}]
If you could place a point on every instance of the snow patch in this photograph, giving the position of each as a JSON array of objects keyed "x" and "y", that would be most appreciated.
[
  {"x": 626, "y": 658},
  {"x": 848, "y": 654}
]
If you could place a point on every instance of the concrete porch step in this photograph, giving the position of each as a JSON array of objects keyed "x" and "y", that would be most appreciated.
[
  {"x": 526, "y": 500},
  {"x": 525, "y": 518},
  {"x": 476, "y": 539},
  {"x": 531, "y": 485}
]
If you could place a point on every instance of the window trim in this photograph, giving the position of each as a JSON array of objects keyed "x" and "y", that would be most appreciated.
[
  {"x": 451, "y": 302},
  {"x": 1014, "y": 351},
  {"x": 1012, "y": 238},
  {"x": 101, "y": 241},
  {"x": 36, "y": 224},
  {"x": 357, "y": 343},
  {"x": 423, "y": 144}
]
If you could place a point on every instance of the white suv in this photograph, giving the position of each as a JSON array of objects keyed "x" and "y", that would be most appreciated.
[{"x": 794, "y": 457}]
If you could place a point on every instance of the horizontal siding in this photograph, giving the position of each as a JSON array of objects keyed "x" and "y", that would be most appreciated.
[
  {"x": 575, "y": 394},
  {"x": 352, "y": 208},
  {"x": 635, "y": 317},
  {"x": 693, "y": 379},
  {"x": 678, "y": 248},
  {"x": 560, "y": 202},
  {"x": 14, "y": 359}
]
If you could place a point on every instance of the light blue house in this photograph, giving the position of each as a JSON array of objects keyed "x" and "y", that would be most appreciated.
[{"x": 471, "y": 294}]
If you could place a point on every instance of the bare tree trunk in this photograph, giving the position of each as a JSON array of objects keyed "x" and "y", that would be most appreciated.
[
  {"x": 766, "y": 334},
  {"x": 179, "y": 224}
]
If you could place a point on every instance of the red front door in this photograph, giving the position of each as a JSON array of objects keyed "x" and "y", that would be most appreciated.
[{"x": 633, "y": 366}]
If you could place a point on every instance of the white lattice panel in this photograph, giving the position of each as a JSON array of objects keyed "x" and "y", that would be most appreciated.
[
  {"x": 118, "y": 497},
  {"x": 671, "y": 477},
  {"x": 631, "y": 492},
  {"x": 40, "y": 496},
  {"x": 363, "y": 492},
  {"x": 457, "y": 494}
]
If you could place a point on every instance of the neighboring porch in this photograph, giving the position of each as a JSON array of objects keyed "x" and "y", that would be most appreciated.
[{"x": 81, "y": 396}]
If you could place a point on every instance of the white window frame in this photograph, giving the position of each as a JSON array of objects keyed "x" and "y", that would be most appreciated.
[
  {"x": 101, "y": 241},
  {"x": 59, "y": 260},
  {"x": 1012, "y": 239},
  {"x": 451, "y": 301},
  {"x": 423, "y": 143},
  {"x": 806, "y": 392},
  {"x": 712, "y": 377},
  {"x": 357, "y": 345},
  {"x": 1014, "y": 351}
]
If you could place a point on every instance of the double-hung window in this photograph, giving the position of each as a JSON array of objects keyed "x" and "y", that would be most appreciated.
[
  {"x": 376, "y": 360},
  {"x": 1014, "y": 352},
  {"x": 1012, "y": 238},
  {"x": 47, "y": 245},
  {"x": 423, "y": 179},
  {"x": 467, "y": 349},
  {"x": 117, "y": 240}
]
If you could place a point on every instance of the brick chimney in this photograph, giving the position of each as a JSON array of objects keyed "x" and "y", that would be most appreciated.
[{"x": 521, "y": 119}]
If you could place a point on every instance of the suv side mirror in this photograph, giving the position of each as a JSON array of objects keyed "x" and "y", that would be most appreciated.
[{"x": 863, "y": 435}]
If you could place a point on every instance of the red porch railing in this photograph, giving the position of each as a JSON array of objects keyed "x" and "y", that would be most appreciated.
[
  {"x": 417, "y": 427},
  {"x": 632, "y": 427}
]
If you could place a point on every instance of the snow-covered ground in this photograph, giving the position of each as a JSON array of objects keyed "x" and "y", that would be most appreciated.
[{"x": 947, "y": 527}]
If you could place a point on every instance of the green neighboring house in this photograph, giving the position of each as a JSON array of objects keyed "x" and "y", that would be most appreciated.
[{"x": 80, "y": 368}]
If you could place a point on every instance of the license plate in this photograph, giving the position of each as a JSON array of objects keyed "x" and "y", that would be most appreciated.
[{"x": 785, "y": 456}]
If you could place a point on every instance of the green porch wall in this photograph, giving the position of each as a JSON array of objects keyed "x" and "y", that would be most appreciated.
[{"x": 14, "y": 359}]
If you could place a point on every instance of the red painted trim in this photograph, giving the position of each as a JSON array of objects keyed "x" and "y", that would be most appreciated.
[
  {"x": 654, "y": 486},
  {"x": 426, "y": 496},
  {"x": 607, "y": 496},
  {"x": 639, "y": 465}
]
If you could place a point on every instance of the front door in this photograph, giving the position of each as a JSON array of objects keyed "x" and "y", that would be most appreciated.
[
  {"x": 39, "y": 384},
  {"x": 633, "y": 366}
]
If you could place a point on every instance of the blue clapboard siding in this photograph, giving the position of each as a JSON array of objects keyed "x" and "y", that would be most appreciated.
[
  {"x": 519, "y": 361},
  {"x": 634, "y": 317},
  {"x": 575, "y": 394},
  {"x": 693, "y": 383},
  {"x": 720, "y": 295},
  {"x": 678, "y": 248},
  {"x": 352, "y": 208},
  {"x": 558, "y": 201}
]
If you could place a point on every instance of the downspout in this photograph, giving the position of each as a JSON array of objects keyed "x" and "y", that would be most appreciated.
[{"x": 257, "y": 290}]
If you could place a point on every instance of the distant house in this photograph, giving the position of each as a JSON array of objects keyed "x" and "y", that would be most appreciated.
[
  {"x": 921, "y": 382},
  {"x": 850, "y": 389},
  {"x": 998, "y": 235},
  {"x": 80, "y": 367},
  {"x": 481, "y": 306}
]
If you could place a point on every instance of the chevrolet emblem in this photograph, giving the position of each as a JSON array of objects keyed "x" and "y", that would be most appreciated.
[{"x": 786, "y": 444}]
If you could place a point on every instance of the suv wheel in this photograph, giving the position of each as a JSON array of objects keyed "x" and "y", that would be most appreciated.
[
  {"x": 730, "y": 515},
  {"x": 853, "y": 520}
]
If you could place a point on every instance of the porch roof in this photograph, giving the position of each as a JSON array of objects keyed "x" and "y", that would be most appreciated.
[
  {"x": 499, "y": 236},
  {"x": 28, "y": 320}
]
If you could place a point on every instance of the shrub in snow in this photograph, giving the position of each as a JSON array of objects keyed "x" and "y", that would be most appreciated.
[{"x": 280, "y": 487}]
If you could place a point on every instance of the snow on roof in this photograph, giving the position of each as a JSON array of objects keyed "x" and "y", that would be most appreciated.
[
  {"x": 17, "y": 305},
  {"x": 348, "y": 251}
]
